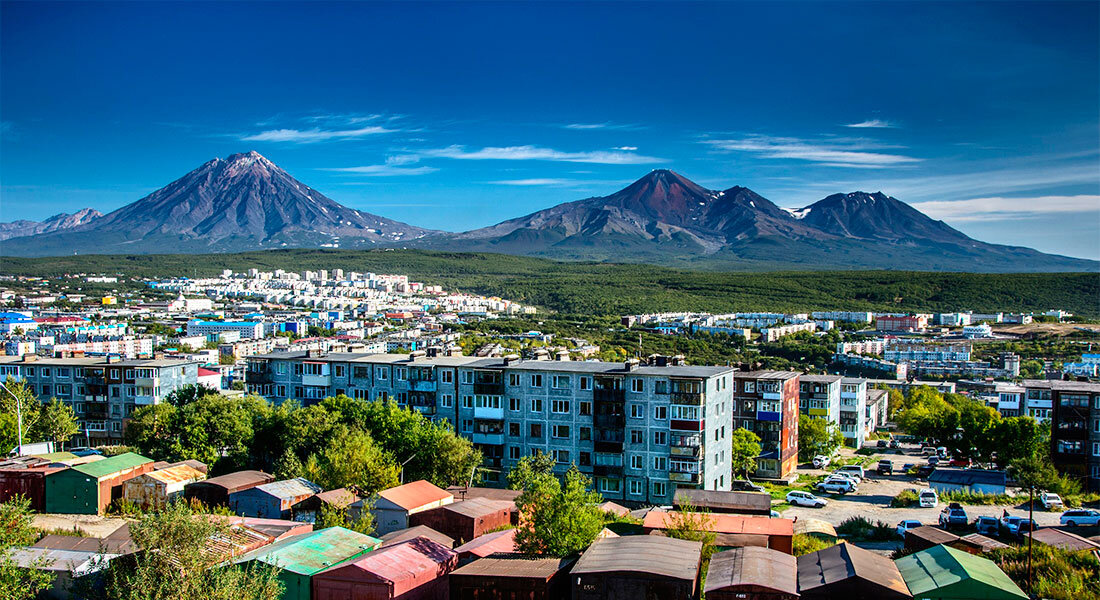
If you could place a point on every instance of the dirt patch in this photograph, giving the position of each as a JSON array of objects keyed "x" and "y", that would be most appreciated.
[{"x": 89, "y": 525}]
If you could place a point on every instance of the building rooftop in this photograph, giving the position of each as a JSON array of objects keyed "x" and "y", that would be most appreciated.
[
  {"x": 1052, "y": 536},
  {"x": 725, "y": 523},
  {"x": 820, "y": 378},
  {"x": 944, "y": 572},
  {"x": 656, "y": 555},
  {"x": 401, "y": 535},
  {"x": 753, "y": 566},
  {"x": 478, "y": 507},
  {"x": 415, "y": 494},
  {"x": 311, "y": 553},
  {"x": 777, "y": 375},
  {"x": 407, "y": 560},
  {"x": 491, "y": 543},
  {"x": 289, "y": 489},
  {"x": 515, "y": 566},
  {"x": 843, "y": 561},
  {"x": 724, "y": 501},
  {"x": 238, "y": 480},
  {"x": 175, "y": 474},
  {"x": 112, "y": 465}
]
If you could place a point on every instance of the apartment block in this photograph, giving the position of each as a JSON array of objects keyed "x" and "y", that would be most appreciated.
[
  {"x": 103, "y": 391},
  {"x": 639, "y": 429},
  {"x": 249, "y": 330},
  {"x": 901, "y": 323},
  {"x": 853, "y": 411},
  {"x": 819, "y": 396},
  {"x": 766, "y": 403},
  {"x": 1074, "y": 428},
  {"x": 878, "y": 407}
]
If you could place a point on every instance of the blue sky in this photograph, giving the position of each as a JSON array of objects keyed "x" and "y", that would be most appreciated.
[{"x": 459, "y": 115}]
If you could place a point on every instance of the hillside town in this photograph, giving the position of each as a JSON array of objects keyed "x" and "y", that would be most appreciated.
[{"x": 771, "y": 471}]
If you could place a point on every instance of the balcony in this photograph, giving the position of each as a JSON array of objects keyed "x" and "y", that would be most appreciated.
[
  {"x": 489, "y": 389},
  {"x": 424, "y": 409},
  {"x": 771, "y": 395},
  {"x": 607, "y": 470},
  {"x": 687, "y": 398},
  {"x": 609, "y": 421},
  {"x": 608, "y": 447},
  {"x": 608, "y": 395},
  {"x": 684, "y": 477},
  {"x": 422, "y": 385},
  {"x": 317, "y": 380},
  {"x": 258, "y": 377},
  {"x": 487, "y": 412},
  {"x": 491, "y": 439},
  {"x": 678, "y": 425},
  {"x": 151, "y": 382},
  {"x": 94, "y": 425},
  {"x": 688, "y": 451},
  {"x": 144, "y": 400}
]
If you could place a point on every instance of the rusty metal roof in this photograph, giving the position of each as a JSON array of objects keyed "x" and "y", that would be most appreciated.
[
  {"x": 731, "y": 501},
  {"x": 176, "y": 474},
  {"x": 1065, "y": 540},
  {"x": 755, "y": 566},
  {"x": 415, "y": 494},
  {"x": 985, "y": 544},
  {"x": 289, "y": 489},
  {"x": 239, "y": 480},
  {"x": 515, "y": 566},
  {"x": 462, "y": 492},
  {"x": 401, "y": 535},
  {"x": 934, "y": 535},
  {"x": 311, "y": 553},
  {"x": 86, "y": 544},
  {"x": 407, "y": 560},
  {"x": 809, "y": 525},
  {"x": 479, "y": 507},
  {"x": 725, "y": 523},
  {"x": 669, "y": 557},
  {"x": 491, "y": 543},
  {"x": 844, "y": 561}
]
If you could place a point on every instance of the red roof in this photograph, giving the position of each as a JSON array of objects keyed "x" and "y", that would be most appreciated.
[
  {"x": 203, "y": 372},
  {"x": 490, "y": 543},
  {"x": 412, "y": 559},
  {"x": 414, "y": 495},
  {"x": 726, "y": 523},
  {"x": 61, "y": 320}
]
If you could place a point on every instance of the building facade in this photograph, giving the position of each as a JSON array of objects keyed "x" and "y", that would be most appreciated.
[
  {"x": 766, "y": 403},
  {"x": 853, "y": 411},
  {"x": 248, "y": 330},
  {"x": 1074, "y": 429},
  {"x": 819, "y": 396}
]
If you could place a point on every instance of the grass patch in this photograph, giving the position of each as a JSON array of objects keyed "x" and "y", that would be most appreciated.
[
  {"x": 904, "y": 499},
  {"x": 74, "y": 532},
  {"x": 862, "y": 529},
  {"x": 978, "y": 498},
  {"x": 1058, "y": 574},
  {"x": 805, "y": 544}
]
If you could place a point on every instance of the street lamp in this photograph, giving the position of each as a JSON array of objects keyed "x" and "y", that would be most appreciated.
[{"x": 18, "y": 416}]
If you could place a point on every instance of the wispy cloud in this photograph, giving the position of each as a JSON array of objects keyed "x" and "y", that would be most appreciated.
[
  {"x": 833, "y": 152},
  {"x": 998, "y": 208},
  {"x": 393, "y": 167},
  {"x": 616, "y": 126},
  {"x": 315, "y": 134},
  {"x": 626, "y": 148},
  {"x": 538, "y": 153},
  {"x": 873, "y": 124},
  {"x": 534, "y": 182}
]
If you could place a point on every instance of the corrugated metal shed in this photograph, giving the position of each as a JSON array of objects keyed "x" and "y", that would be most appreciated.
[
  {"x": 638, "y": 566},
  {"x": 412, "y": 570},
  {"x": 467, "y": 519},
  {"x": 401, "y": 535},
  {"x": 922, "y": 538},
  {"x": 816, "y": 528},
  {"x": 29, "y": 482},
  {"x": 415, "y": 495},
  {"x": 948, "y": 574},
  {"x": 90, "y": 488},
  {"x": 109, "y": 467},
  {"x": 1052, "y": 536},
  {"x": 75, "y": 562},
  {"x": 86, "y": 544},
  {"x": 850, "y": 572},
  {"x": 733, "y": 530},
  {"x": 512, "y": 576},
  {"x": 215, "y": 491},
  {"x": 752, "y": 573},
  {"x": 301, "y": 557},
  {"x": 745, "y": 503},
  {"x": 272, "y": 500},
  {"x": 497, "y": 542},
  {"x": 977, "y": 543}
]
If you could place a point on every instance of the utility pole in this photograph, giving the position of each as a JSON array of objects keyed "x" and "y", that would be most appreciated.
[{"x": 1030, "y": 527}]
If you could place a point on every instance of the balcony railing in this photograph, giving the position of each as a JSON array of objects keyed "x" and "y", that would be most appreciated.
[
  {"x": 690, "y": 451},
  {"x": 489, "y": 389},
  {"x": 687, "y": 398},
  {"x": 257, "y": 377},
  {"x": 608, "y": 395},
  {"x": 494, "y": 439},
  {"x": 422, "y": 385},
  {"x": 607, "y": 470},
  {"x": 608, "y": 447},
  {"x": 684, "y": 477}
]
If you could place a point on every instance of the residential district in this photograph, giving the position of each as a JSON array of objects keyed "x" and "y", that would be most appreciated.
[{"x": 878, "y": 503}]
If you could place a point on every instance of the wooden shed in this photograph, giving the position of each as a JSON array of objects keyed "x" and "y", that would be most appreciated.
[
  {"x": 393, "y": 507},
  {"x": 88, "y": 489},
  {"x": 216, "y": 490},
  {"x": 157, "y": 488},
  {"x": 467, "y": 519},
  {"x": 415, "y": 569},
  {"x": 733, "y": 531},
  {"x": 638, "y": 566},
  {"x": 497, "y": 542},
  {"x": 752, "y": 573},
  {"x": 272, "y": 500},
  {"x": 512, "y": 576},
  {"x": 741, "y": 503},
  {"x": 849, "y": 572}
]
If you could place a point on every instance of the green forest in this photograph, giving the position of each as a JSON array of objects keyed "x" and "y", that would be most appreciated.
[{"x": 613, "y": 289}]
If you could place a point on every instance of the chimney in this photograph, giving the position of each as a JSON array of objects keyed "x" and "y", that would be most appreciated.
[
  {"x": 542, "y": 354},
  {"x": 432, "y": 351},
  {"x": 562, "y": 356},
  {"x": 30, "y": 357},
  {"x": 454, "y": 351},
  {"x": 510, "y": 358},
  {"x": 677, "y": 360},
  {"x": 631, "y": 364},
  {"x": 416, "y": 354}
]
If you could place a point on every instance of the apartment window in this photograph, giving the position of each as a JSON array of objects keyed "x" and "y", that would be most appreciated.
[
  {"x": 684, "y": 413},
  {"x": 358, "y": 372},
  {"x": 637, "y": 461},
  {"x": 46, "y": 391},
  {"x": 536, "y": 430},
  {"x": 637, "y": 411},
  {"x": 513, "y": 452},
  {"x": 586, "y": 383},
  {"x": 585, "y": 408},
  {"x": 280, "y": 391},
  {"x": 402, "y": 374},
  {"x": 30, "y": 371},
  {"x": 536, "y": 380},
  {"x": 515, "y": 404},
  {"x": 561, "y": 456},
  {"x": 467, "y": 377},
  {"x": 660, "y": 413},
  {"x": 487, "y": 401},
  {"x": 447, "y": 376},
  {"x": 46, "y": 372},
  {"x": 634, "y": 487},
  {"x": 637, "y": 436},
  {"x": 637, "y": 385},
  {"x": 560, "y": 431},
  {"x": 585, "y": 434},
  {"x": 382, "y": 373},
  {"x": 402, "y": 397},
  {"x": 660, "y": 463},
  {"x": 64, "y": 372},
  {"x": 660, "y": 488},
  {"x": 513, "y": 429},
  {"x": 750, "y": 387},
  {"x": 339, "y": 370},
  {"x": 585, "y": 459},
  {"x": 560, "y": 382},
  {"x": 536, "y": 405},
  {"x": 315, "y": 369},
  {"x": 660, "y": 438},
  {"x": 467, "y": 402},
  {"x": 612, "y": 486},
  {"x": 660, "y": 387},
  {"x": 559, "y": 406},
  {"x": 467, "y": 425},
  {"x": 513, "y": 379}
]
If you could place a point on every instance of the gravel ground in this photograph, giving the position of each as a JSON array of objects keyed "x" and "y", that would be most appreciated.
[{"x": 91, "y": 525}]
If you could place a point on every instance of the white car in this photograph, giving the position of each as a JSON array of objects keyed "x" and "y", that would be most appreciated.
[
  {"x": 855, "y": 471},
  {"x": 850, "y": 476},
  {"x": 836, "y": 486},
  {"x": 1051, "y": 501},
  {"x": 798, "y": 498},
  {"x": 906, "y": 525},
  {"x": 843, "y": 481},
  {"x": 1080, "y": 516},
  {"x": 928, "y": 498},
  {"x": 821, "y": 461}
]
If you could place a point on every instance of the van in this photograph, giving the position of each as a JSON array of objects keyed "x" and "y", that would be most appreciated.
[
  {"x": 856, "y": 470},
  {"x": 928, "y": 498}
]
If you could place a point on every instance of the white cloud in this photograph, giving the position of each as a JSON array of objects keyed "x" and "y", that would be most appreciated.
[
  {"x": 998, "y": 208},
  {"x": 626, "y": 148},
  {"x": 832, "y": 152},
  {"x": 393, "y": 167},
  {"x": 872, "y": 124},
  {"x": 309, "y": 136},
  {"x": 534, "y": 182},
  {"x": 589, "y": 126},
  {"x": 537, "y": 153}
]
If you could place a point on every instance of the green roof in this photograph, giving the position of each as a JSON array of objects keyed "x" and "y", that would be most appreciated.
[
  {"x": 311, "y": 553},
  {"x": 114, "y": 464},
  {"x": 56, "y": 456},
  {"x": 944, "y": 573}
]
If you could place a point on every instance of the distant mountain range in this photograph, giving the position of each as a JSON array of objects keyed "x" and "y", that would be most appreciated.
[{"x": 245, "y": 202}]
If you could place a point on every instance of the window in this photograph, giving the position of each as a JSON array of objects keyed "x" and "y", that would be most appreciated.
[
  {"x": 513, "y": 429},
  {"x": 585, "y": 408},
  {"x": 447, "y": 401},
  {"x": 660, "y": 488},
  {"x": 660, "y": 438},
  {"x": 536, "y": 405},
  {"x": 467, "y": 425},
  {"x": 636, "y": 411},
  {"x": 613, "y": 486},
  {"x": 513, "y": 452},
  {"x": 660, "y": 413},
  {"x": 487, "y": 401},
  {"x": 64, "y": 372},
  {"x": 685, "y": 413},
  {"x": 447, "y": 376},
  {"x": 637, "y": 461},
  {"x": 280, "y": 391},
  {"x": 634, "y": 487},
  {"x": 356, "y": 372},
  {"x": 467, "y": 377},
  {"x": 561, "y": 456},
  {"x": 513, "y": 379},
  {"x": 536, "y": 430},
  {"x": 536, "y": 380},
  {"x": 585, "y": 434},
  {"x": 314, "y": 369},
  {"x": 560, "y": 382},
  {"x": 586, "y": 383},
  {"x": 637, "y": 436},
  {"x": 382, "y": 373},
  {"x": 339, "y": 370},
  {"x": 559, "y": 406},
  {"x": 660, "y": 463},
  {"x": 515, "y": 404},
  {"x": 467, "y": 402},
  {"x": 750, "y": 387},
  {"x": 585, "y": 459},
  {"x": 637, "y": 385},
  {"x": 660, "y": 387},
  {"x": 560, "y": 431},
  {"x": 401, "y": 374}
]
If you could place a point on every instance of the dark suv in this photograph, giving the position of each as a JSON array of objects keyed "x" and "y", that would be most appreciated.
[
  {"x": 885, "y": 467},
  {"x": 745, "y": 486}
]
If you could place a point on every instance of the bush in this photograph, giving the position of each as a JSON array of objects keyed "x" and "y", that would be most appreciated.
[
  {"x": 860, "y": 528},
  {"x": 904, "y": 499},
  {"x": 805, "y": 544},
  {"x": 1058, "y": 574},
  {"x": 977, "y": 498}
]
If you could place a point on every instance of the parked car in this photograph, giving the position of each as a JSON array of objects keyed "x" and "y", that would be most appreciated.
[
  {"x": 953, "y": 515},
  {"x": 960, "y": 461},
  {"x": 1009, "y": 522},
  {"x": 905, "y": 468},
  {"x": 928, "y": 498},
  {"x": 885, "y": 467},
  {"x": 835, "y": 485},
  {"x": 741, "y": 485},
  {"x": 942, "y": 451},
  {"x": 880, "y": 444},
  {"x": 799, "y": 498},
  {"x": 906, "y": 525},
  {"x": 928, "y": 451},
  {"x": 1023, "y": 526},
  {"x": 894, "y": 444},
  {"x": 1051, "y": 501},
  {"x": 987, "y": 525},
  {"x": 853, "y": 471},
  {"x": 821, "y": 461},
  {"x": 924, "y": 471},
  {"x": 1080, "y": 516},
  {"x": 933, "y": 461}
]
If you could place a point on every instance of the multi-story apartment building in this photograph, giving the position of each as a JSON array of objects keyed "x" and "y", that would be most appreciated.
[
  {"x": 1037, "y": 401},
  {"x": 878, "y": 408},
  {"x": 766, "y": 403},
  {"x": 853, "y": 411},
  {"x": 901, "y": 350},
  {"x": 819, "y": 396},
  {"x": 901, "y": 323},
  {"x": 103, "y": 391},
  {"x": 640, "y": 430},
  {"x": 1075, "y": 429},
  {"x": 1011, "y": 400},
  {"x": 249, "y": 330}
]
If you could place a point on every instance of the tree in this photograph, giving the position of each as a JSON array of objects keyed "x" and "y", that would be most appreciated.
[
  {"x": 696, "y": 525},
  {"x": 337, "y": 516},
  {"x": 817, "y": 436},
  {"x": 530, "y": 467},
  {"x": 189, "y": 393},
  {"x": 16, "y": 529},
  {"x": 56, "y": 422},
  {"x": 352, "y": 459},
  {"x": 557, "y": 519},
  {"x": 744, "y": 448}
]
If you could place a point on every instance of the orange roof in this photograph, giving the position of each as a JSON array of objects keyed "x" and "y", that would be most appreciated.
[
  {"x": 415, "y": 494},
  {"x": 725, "y": 523},
  {"x": 490, "y": 543},
  {"x": 176, "y": 474}
]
